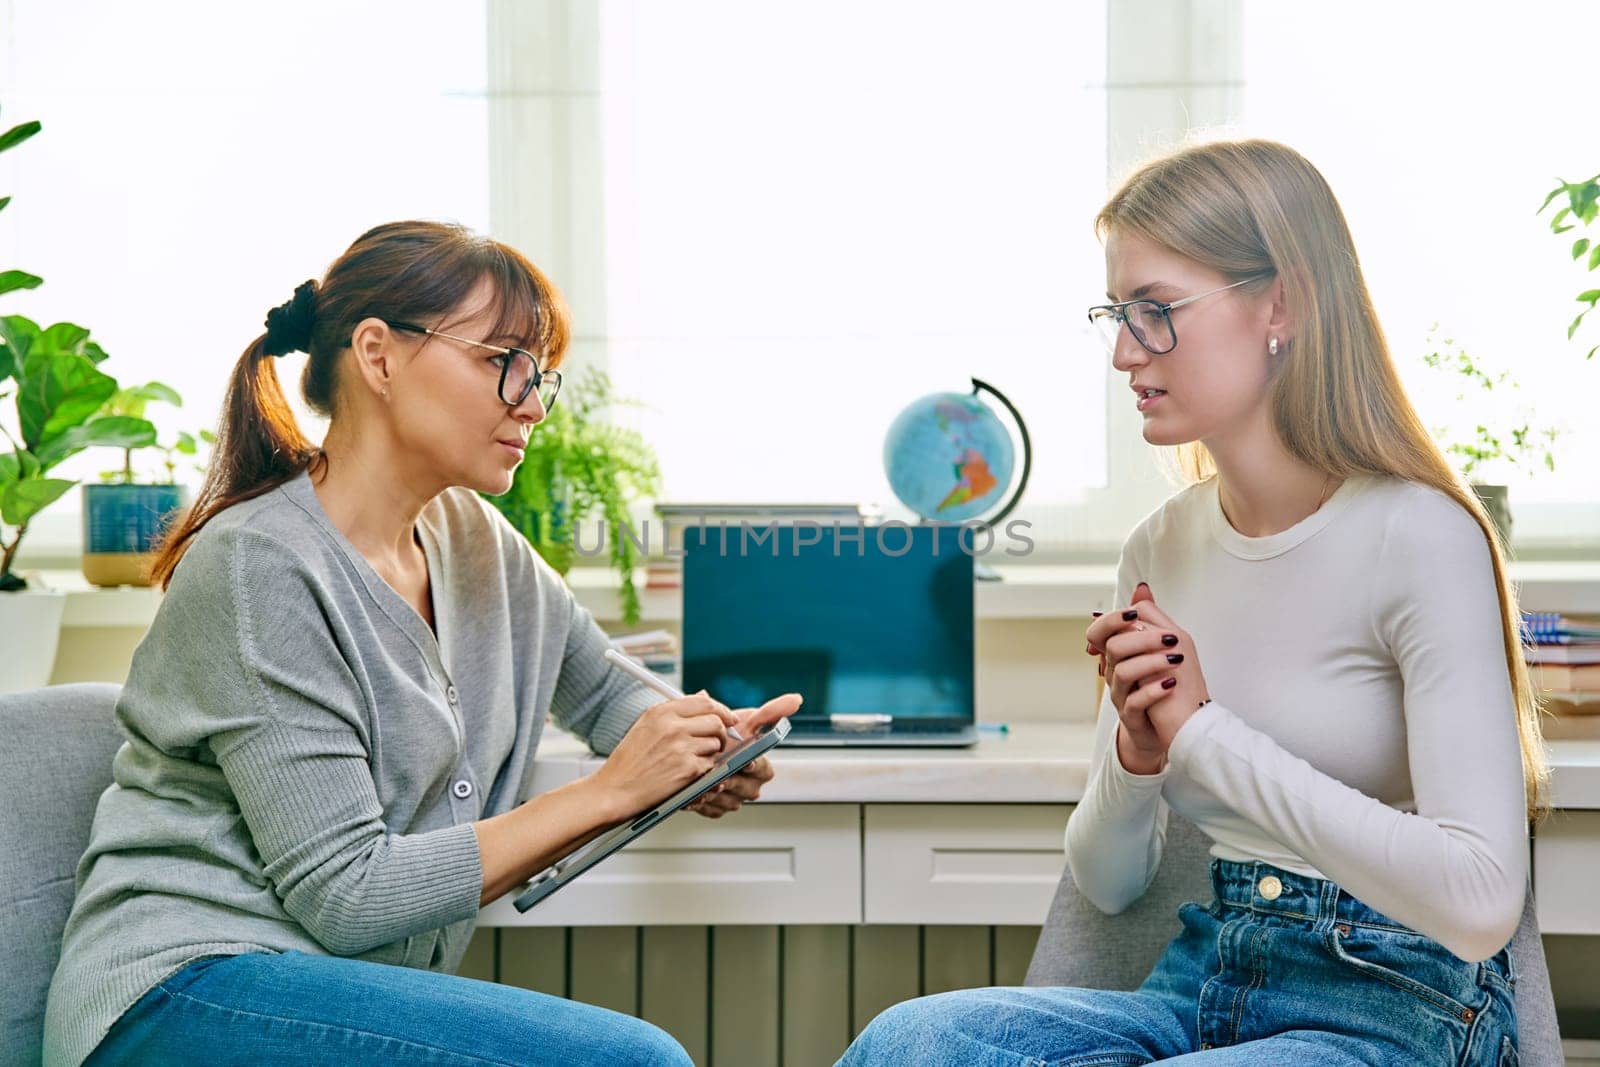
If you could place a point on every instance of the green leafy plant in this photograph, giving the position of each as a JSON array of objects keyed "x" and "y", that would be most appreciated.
[
  {"x": 1520, "y": 443},
  {"x": 578, "y": 466},
  {"x": 131, "y": 402},
  {"x": 54, "y": 377},
  {"x": 1583, "y": 204}
]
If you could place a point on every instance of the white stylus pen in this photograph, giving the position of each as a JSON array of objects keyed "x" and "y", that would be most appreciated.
[{"x": 653, "y": 680}]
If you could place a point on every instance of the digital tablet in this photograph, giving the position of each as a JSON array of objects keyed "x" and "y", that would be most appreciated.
[{"x": 729, "y": 763}]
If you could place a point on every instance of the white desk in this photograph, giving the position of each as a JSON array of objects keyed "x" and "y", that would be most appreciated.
[{"x": 933, "y": 836}]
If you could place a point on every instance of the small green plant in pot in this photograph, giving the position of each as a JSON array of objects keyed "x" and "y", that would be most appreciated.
[
  {"x": 125, "y": 514},
  {"x": 1489, "y": 435},
  {"x": 579, "y": 466}
]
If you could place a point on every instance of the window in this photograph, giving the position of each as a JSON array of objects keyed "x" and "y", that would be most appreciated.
[
  {"x": 816, "y": 213},
  {"x": 1441, "y": 141},
  {"x": 183, "y": 186}
]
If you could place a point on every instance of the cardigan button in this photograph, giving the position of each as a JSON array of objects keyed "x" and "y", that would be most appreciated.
[
  {"x": 450, "y": 694},
  {"x": 462, "y": 788}
]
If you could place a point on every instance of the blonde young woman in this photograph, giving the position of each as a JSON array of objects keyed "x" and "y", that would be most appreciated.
[{"x": 1314, "y": 658}]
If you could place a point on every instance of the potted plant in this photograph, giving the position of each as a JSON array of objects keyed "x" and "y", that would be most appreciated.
[
  {"x": 52, "y": 376},
  {"x": 123, "y": 516},
  {"x": 1485, "y": 441},
  {"x": 578, "y": 466},
  {"x": 1583, "y": 204}
]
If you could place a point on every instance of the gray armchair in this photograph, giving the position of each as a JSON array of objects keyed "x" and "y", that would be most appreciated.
[
  {"x": 1082, "y": 946},
  {"x": 55, "y": 761}
]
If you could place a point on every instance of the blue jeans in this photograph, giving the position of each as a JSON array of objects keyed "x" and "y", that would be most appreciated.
[
  {"x": 268, "y": 1009},
  {"x": 1312, "y": 976}
]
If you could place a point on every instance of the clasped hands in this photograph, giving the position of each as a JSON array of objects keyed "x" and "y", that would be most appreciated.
[{"x": 1153, "y": 673}]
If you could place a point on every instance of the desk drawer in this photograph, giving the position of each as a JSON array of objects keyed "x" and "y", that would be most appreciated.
[
  {"x": 987, "y": 864},
  {"x": 777, "y": 863},
  {"x": 1566, "y": 870}
]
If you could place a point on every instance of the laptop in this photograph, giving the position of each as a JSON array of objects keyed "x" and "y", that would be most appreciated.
[{"x": 873, "y": 625}]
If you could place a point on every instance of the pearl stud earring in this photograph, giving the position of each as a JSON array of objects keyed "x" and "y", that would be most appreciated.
[{"x": 1272, "y": 347}]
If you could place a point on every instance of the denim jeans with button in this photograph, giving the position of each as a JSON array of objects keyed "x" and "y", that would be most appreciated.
[
  {"x": 1278, "y": 969},
  {"x": 277, "y": 1010}
]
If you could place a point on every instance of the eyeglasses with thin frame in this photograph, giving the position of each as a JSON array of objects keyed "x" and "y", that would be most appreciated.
[
  {"x": 1150, "y": 321},
  {"x": 519, "y": 374}
]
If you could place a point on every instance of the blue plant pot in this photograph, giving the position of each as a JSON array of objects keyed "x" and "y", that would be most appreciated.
[{"x": 120, "y": 526}]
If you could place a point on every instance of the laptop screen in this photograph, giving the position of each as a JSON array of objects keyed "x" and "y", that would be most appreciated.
[{"x": 880, "y": 627}]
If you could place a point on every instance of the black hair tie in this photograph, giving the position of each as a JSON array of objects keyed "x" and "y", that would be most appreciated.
[{"x": 289, "y": 324}]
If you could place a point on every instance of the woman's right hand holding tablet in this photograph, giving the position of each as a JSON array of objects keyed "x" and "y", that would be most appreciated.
[{"x": 667, "y": 747}]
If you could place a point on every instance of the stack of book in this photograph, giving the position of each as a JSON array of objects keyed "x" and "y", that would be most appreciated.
[
  {"x": 655, "y": 650},
  {"x": 1564, "y": 660}
]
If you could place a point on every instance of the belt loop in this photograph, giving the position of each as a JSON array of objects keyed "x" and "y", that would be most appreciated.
[{"x": 1328, "y": 905}]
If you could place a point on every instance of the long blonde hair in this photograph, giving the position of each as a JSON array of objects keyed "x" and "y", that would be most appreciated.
[{"x": 1248, "y": 208}]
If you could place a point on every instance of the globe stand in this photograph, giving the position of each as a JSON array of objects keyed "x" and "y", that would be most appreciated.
[{"x": 981, "y": 571}]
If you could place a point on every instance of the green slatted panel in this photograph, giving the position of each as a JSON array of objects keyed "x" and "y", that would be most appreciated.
[
  {"x": 1013, "y": 951},
  {"x": 954, "y": 957},
  {"x": 816, "y": 994},
  {"x": 674, "y": 984},
  {"x": 744, "y": 996},
  {"x": 887, "y": 970},
  {"x": 534, "y": 957},
  {"x": 604, "y": 967},
  {"x": 479, "y": 961}
]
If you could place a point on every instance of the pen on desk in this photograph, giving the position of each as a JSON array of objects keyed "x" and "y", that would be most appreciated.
[{"x": 653, "y": 680}]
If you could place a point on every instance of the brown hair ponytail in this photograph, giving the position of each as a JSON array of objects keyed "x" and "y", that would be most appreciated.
[{"x": 415, "y": 271}]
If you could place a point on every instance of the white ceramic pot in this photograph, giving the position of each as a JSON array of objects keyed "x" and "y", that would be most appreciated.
[{"x": 30, "y": 626}]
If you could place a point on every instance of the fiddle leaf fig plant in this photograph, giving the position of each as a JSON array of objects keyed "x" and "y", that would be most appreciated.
[
  {"x": 52, "y": 375},
  {"x": 59, "y": 391}
]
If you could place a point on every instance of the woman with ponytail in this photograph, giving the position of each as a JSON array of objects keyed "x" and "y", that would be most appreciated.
[
  {"x": 333, "y": 718},
  {"x": 1361, "y": 743}
]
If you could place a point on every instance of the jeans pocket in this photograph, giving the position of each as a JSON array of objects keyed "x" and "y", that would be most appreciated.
[{"x": 1411, "y": 963}]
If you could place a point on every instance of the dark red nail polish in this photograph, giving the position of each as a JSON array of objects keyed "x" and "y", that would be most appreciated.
[
  {"x": 1169, "y": 639},
  {"x": 1096, "y": 614},
  {"x": 1168, "y": 683},
  {"x": 1102, "y": 668},
  {"x": 1175, "y": 657},
  {"x": 1091, "y": 650},
  {"x": 1129, "y": 615}
]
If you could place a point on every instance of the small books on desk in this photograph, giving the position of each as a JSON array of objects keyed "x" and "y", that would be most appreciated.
[
  {"x": 1550, "y": 637},
  {"x": 1554, "y": 628},
  {"x": 1564, "y": 661}
]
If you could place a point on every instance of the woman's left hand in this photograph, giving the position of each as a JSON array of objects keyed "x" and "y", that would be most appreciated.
[{"x": 731, "y": 794}]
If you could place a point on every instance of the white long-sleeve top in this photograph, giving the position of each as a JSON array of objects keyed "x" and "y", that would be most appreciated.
[{"x": 1362, "y": 726}]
